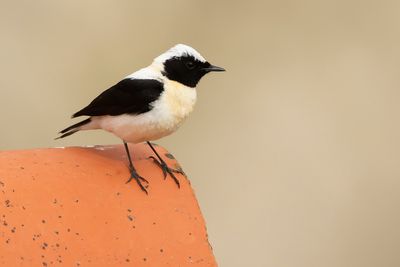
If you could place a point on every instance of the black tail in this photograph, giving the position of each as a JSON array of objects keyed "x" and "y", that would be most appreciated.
[{"x": 73, "y": 128}]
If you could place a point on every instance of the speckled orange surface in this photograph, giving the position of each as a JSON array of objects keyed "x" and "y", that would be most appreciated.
[{"x": 71, "y": 207}]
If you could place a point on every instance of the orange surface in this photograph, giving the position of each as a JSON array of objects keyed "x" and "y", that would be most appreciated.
[{"x": 71, "y": 207}]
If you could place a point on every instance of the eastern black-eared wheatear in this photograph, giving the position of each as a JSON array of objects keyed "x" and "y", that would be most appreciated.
[{"x": 148, "y": 104}]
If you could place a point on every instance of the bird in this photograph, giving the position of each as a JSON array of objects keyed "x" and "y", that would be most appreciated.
[{"x": 148, "y": 104}]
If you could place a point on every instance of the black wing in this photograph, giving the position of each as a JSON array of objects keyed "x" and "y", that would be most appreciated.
[{"x": 132, "y": 96}]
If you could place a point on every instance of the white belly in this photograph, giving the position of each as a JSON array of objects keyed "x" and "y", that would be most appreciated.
[{"x": 168, "y": 113}]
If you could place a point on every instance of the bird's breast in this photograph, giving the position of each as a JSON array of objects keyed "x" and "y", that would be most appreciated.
[{"x": 175, "y": 103}]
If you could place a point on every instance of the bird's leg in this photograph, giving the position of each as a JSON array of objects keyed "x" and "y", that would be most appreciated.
[
  {"x": 132, "y": 170},
  {"x": 164, "y": 167}
]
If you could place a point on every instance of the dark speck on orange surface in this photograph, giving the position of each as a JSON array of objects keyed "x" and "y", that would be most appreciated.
[
  {"x": 169, "y": 155},
  {"x": 7, "y": 202}
]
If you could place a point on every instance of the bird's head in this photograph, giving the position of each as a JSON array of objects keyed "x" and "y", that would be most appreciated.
[{"x": 184, "y": 64}]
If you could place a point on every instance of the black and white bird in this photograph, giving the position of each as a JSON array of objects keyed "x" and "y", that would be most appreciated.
[{"x": 148, "y": 104}]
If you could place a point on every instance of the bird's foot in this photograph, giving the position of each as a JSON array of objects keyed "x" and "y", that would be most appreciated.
[
  {"x": 167, "y": 170},
  {"x": 135, "y": 176}
]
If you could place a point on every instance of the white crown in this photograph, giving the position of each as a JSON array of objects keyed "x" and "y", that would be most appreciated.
[{"x": 178, "y": 51}]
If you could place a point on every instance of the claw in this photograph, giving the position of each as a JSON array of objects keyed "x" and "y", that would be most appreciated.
[
  {"x": 179, "y": 170},
  {"x": 167, "y": 170},
  {"x": 175, "y": 179},
  {"x": 135, "y": 176},
  {"x": 164, "y": 170}
]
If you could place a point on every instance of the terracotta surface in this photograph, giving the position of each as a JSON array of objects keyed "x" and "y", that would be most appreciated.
[{"x": 71, "y": 207}]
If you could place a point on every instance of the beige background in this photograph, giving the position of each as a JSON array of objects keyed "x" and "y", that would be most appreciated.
[{"x": 294, "y": 151}]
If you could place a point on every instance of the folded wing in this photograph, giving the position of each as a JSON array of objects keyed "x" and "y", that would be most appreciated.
[{"x": 131, "y": 96}]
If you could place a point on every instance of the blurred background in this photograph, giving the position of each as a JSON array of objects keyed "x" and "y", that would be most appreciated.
[{"x": 294, "y": 152}]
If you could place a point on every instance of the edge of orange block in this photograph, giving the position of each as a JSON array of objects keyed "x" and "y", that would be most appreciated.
[{"x": 72, "y": 207}]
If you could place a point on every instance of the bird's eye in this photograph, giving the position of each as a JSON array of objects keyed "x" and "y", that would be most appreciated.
[{"x": 190, "y": 65}]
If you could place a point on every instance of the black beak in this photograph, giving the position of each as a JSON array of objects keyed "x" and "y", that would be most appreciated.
[{"x": 213, "y": 68}]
